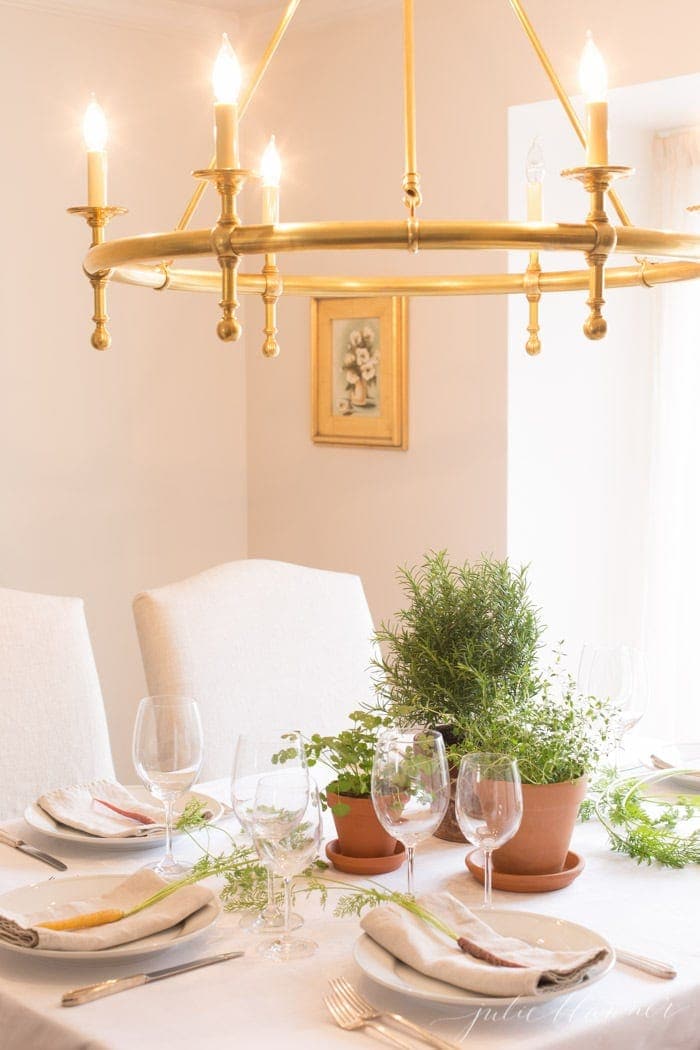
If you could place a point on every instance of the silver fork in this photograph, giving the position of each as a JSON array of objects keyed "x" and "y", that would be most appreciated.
[
  {"x": 346, "y": 1018},
  {"x": 363, "y": 1009}
]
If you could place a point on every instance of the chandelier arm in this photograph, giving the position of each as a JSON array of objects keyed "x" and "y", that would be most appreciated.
[
  {"x": 411, "y": 180},
  {"x": 251, "y": 88},
  {"x": 186, "y": 280},
  {"x": 556, "y": 83}
]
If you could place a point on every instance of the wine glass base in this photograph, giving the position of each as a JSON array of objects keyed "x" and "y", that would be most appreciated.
[
  {"x": 258, "y": 922},
  {"x": 169, "y": 869},
  {"x": 286, "y": 949}
]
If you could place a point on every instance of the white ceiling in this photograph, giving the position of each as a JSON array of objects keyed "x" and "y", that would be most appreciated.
[{"x": 313, "y": 9}]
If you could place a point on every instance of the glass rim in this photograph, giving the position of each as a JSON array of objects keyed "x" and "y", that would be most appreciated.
[
  {"x": 497, "y": 757},
  {"x": 168, "y": 699}
]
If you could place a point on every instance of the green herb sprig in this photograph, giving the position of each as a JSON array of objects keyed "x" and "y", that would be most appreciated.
[{"x": 649, "y": 827}]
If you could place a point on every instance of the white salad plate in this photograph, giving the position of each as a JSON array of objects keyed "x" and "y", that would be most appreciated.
[
  {"x": 544, "y": 931},
  {"x": 40, "y": 820},
  {"x": 28, "y": 900},
  {"x": 685, "y": 755}
]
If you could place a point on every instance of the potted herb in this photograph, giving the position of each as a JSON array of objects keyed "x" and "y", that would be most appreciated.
[
  {"x": 558, "y": 738},
  {"x": 462, "y": 625},
  {"x": 363, "y": 846}
]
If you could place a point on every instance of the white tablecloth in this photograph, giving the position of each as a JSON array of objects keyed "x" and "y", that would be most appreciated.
[{"x": 251, "y": 1002}]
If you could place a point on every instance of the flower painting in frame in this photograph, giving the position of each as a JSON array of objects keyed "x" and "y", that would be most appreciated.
[{"x": 359, "y": 371}]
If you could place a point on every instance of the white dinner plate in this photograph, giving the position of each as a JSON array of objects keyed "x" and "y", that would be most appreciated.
[
  {"x": 40, "y": 820},
  {"x": 544, "y": 931},
  {"x": 30, "y": 899},
  {"x": 686, "y": 755}
]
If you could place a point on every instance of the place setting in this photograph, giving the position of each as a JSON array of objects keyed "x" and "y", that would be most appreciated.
[{"x": 104, "y": 917}]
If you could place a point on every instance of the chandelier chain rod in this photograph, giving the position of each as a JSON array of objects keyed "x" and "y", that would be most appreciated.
[
  {"x": 563, "y": 97},
  {"x": 249, "y": 92},
  {"x": 411, "y": 180}
]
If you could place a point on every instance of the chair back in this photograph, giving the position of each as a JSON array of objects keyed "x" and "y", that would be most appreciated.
[
  {"x": 52, "y": 720},
  {"x": 262, "y": 645}
]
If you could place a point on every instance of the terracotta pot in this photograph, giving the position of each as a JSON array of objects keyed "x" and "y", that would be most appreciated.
[
  {"x": 449, "y": 830},
  {"x": 541, "y": 844},
  {"x": 359, "y": 832}
]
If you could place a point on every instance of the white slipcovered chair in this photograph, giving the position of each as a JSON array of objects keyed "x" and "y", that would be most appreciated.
[
  {"x": 52, "y": 721},
  {"x": 262, "y": 645}
]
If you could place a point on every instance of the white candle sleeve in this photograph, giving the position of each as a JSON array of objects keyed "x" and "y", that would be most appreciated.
[
  {"x": 97, "y": 178},
  {"x": 597, "y": 133}
]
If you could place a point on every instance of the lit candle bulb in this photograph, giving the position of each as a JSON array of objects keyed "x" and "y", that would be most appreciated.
[
  {"x": 535, "y": 172},
  {"x": 270, "y": 170},
  {"x": 95, "y": 136},
  {"x": 226, "y": 79},
  {"x": 594, "y": 84}
]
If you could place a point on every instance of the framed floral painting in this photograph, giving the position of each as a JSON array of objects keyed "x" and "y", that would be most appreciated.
[{"x": 359, "y": 371}]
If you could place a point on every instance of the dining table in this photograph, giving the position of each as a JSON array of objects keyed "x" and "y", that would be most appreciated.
[{"x": 254, "y": 1002}]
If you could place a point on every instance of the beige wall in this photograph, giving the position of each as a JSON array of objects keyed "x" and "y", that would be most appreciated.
[
  {"x": 334, "y": 101},
  {"x": 125, "y": 469}
]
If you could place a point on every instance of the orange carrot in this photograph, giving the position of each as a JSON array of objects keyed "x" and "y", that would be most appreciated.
[{"x": 83, "y": 922}]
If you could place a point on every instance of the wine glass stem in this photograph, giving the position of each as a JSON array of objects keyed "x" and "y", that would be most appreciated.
[
  {"x": 168, "y": 804},
  {"x": 287, "y": 908},
  {"x": 488, "y": 870},
  {"x": 270, "y": 910},
  {"x": 410, "y": 854}
]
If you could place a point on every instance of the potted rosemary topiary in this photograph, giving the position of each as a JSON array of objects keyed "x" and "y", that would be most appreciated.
[
  {"x": 462, "y": 625},
  {"x": 363, "y": 847}
]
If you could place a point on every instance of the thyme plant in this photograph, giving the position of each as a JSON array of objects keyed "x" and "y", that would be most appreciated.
[{"x": 554, "y": 733}]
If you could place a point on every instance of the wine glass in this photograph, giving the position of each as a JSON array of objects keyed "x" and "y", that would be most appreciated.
[
  {"x": 410, "y": 786},
  {"x": 488, "y": 805},
  {"x": 287, "y": 835},
  {"x": 619, "y": 674},
  {"x": 167, "y": 754},
  {"x": 256, "y": 757}
]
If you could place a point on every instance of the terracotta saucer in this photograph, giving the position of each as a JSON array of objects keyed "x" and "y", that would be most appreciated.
[
  {"x": 365, "y": 865},
  {"x": 557, "y": 880}
]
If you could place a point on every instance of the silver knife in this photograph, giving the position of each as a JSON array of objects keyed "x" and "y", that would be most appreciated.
[
  {"x": 120, "y": 984},
  {"x": 32, "y": 851}
]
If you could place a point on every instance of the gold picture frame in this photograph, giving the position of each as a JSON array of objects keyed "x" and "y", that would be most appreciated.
[{"x": 359, "y": 371}]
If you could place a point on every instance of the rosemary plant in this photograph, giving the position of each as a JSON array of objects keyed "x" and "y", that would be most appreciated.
[{"x": 462, "y": 624}]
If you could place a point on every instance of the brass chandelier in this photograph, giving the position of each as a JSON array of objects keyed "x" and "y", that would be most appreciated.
[{"x": 149, "y": 260}]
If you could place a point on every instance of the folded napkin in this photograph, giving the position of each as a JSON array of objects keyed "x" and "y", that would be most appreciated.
[
  {"x": 23, "y": 930},
  {"x": 490, "y": 965},
  {"x": 77, "y": 807}
]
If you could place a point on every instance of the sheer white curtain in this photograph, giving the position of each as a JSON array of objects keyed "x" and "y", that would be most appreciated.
[{"x": 672, "y": 606}]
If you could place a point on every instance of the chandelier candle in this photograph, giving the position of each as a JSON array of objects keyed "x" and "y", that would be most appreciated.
[
  {"x": 95, "y": 136},
  {"x": 270, "y": 171},
  {"x": 226, "y": 79},
  {"x": 594, "y": 84},
  {"x": 535, "y": 173}
]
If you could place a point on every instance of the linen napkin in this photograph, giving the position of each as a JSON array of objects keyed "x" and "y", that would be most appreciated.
[
  {"x": 492, "y": 965},
  {"x": 23, "y": 930},
  {"x": 77, "y": 807}
]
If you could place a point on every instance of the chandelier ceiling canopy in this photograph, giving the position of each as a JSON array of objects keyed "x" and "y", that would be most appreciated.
[{"x": 149, "y": 260}]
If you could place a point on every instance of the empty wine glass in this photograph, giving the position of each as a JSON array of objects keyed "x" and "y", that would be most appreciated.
[
  {"x": 256, "y": 757},
  {"x": 488, "y": 805},
  {"x": 287, "y": 835},
  {"x": 167, "y": 754},
  {"x": 619, "y": 674},
  {"x": 410, "y": 786}
]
